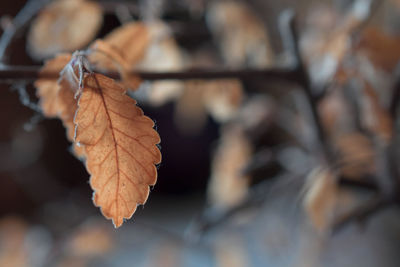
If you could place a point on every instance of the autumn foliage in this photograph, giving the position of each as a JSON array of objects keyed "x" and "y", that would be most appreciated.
[{"x": 279, "y": 129}]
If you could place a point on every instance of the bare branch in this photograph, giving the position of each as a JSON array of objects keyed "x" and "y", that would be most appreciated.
[
  {"x": 10, "y": 74},
  {"x": 25, "y": 15}
]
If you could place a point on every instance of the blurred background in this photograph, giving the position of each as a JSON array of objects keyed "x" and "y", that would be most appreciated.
[{"x": 243, "y": 180}]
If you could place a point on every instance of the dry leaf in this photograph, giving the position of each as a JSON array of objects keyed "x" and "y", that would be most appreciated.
[
  {"x": 121, "y": 50},
  {"x": 321, "y": 198},
  {"x": 13, "y": 232},
  {"x": 222, "y": 98},
  {"x": 90, "y": 240},
  {"x": 356, "y": 155},
  {"x": 327, "y": 41},
  {"x": 336, "y": 114},
  {"x": 241, "y": 35},
  {"x": 163, "y": 54},
  {"x": 374, "y": 117},
  {"x": 227, "y": 186},
  {"x": 47, "y": 88},
  {"x": 131, "y": 41},
  {"x": 119, "y": 143},
  {"x": 64, "y": 26},
  {"x": 380, "y": 48},
  {"x": 105, "y": 57},
  {"x": 190, "y": 115},
  {"x": 57, "y": 100}
]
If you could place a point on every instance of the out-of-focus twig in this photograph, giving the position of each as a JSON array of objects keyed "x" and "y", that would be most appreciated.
[
  {"x": 362, "y": 213},
  {"x": 291, "y": 42},
  {"x": 31, "y": 8}
]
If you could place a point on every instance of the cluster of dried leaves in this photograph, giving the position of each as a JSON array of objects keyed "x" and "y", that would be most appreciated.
[
  {"x": 111, "y": 134},
  {"x": 354, "y": 64}
]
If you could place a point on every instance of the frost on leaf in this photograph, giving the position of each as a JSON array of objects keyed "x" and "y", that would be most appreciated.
[
  {"x": 57, "y": 98},
  {"x": 119, "y": 143},
  {"x": 64, "y": 26}
]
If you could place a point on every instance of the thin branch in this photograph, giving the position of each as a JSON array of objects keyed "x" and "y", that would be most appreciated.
[
  {"x": 24, "y": 16},
  {"x": 363, "y": 212},
  {"x": 11, "y": 74},
  {"x": 395, "y": 100},
  {"x": 111, "y": 6},
  {"x": 291, "y": 42}
]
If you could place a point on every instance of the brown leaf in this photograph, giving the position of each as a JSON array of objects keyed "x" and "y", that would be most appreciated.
[
  {"x": 336, "y": 114},
  {"x": 57, "y": 99},
  {"x": 122, "y": 49},
  {"x": 64, "y": 26},
  {"x": 163, "y": 54},
  {"x": 120, "y": 146},
  {"x": 190, "y": 115},
  {"x": 327, "y": 41},
  {"x": 131, "y": 41},
  {"x": 241, "y": 35},
  {"x": 47, "y": 88},
  {"x": 356, "y": 155},
  {"x": 374, "y": 116},
  {"x": 91, "y": 239},
  {"x": 67, "y": 106},
  {"x": 13, "y": 233},
  {"x": 381, "y": 48},
  {"x": 227, "y": 186},
  {"x": 141, "y": 46},
  {"x": 321, "y": 198},
  {"x": 222, "y": 98},
  {"x": 105, "y": 57}
]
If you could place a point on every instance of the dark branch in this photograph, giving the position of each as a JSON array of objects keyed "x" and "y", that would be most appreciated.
[
  {"x": 10, "y": 74},
  {"x": 363, "y": 212},
  {"x": 291, "y": 42},
  {"x": 24, "y": 16}
]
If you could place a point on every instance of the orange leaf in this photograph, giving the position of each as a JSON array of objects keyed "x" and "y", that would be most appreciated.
[
  {"x": 67, "y": 106},
  {"x": 47, "y": 88},
  {"x": 64, "y": 25},
  {"x": 381, "y": 48},
  {"x": 228, "y": 187},
  {"x": 121, "y": 50},
  {"x": 120, "y": 146},
  {"x": 57, "y": 99},
  {"x": 321, "y": 198}
]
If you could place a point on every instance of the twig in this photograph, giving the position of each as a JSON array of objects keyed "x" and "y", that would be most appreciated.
[
  {"x": 395, "y": 100},
  {"x": 255, "y": 198},
  {"x": 291, "y": 42},
  {"x": 374, "y": 6},
  {"x": 11, "y": 74},
  {"x": 111, "y": 6},
  {"x": 31, "y": 8},
  {"x": 363, "y": 212}
]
